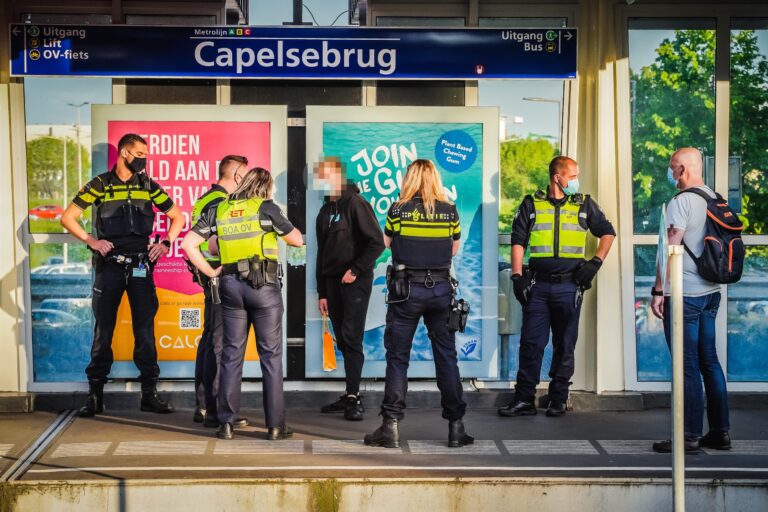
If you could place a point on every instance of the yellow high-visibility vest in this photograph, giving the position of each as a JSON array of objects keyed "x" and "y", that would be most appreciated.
[
  {"x": 240, "y": 234},
  {"x": 556, "y": 232}
]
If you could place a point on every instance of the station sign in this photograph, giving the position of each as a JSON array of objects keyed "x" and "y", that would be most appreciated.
[{"x": 131, "y": 51}]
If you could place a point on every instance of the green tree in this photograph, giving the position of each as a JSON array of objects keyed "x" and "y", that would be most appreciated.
[
  {"x": 674, "y": 106},
  {"x": 45, "y": 167},
  {"x": 524, "y": 168}
]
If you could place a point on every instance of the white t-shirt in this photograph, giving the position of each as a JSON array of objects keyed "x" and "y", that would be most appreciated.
[{"x": 689, "y": 212}]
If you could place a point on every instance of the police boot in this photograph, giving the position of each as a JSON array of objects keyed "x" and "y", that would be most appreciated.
[
  {"x": 151, "y": 401},
  {"x": 94, "y": 404},
  {"x": 387, "y": 435},
  {"x": 457, "y": 435}
]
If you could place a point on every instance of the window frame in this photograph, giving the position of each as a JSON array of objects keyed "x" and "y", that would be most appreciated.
[{"x": 723, "y": 16}]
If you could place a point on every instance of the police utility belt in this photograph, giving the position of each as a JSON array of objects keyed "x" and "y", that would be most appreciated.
[
  {"x": 258, "y": 272},
  {"x": 399, "y": 279}
]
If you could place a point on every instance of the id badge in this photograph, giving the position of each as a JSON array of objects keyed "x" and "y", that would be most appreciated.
[{"x": 140, "y": 271}]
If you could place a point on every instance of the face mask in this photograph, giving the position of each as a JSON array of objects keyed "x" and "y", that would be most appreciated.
[
  {"x": 137, "y": 164},
  {"x": 572, "y": 188},
  {"x": 671, "y": 177}
]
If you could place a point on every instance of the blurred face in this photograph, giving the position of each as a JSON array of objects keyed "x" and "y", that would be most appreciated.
[{"x": 329, "y": 174}]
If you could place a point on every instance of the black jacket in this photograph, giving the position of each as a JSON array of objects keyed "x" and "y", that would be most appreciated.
[{"x": 348, "y": 237}]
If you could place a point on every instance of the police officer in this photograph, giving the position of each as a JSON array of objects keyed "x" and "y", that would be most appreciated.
[
  {"x": 423, "y": 231},
  {"x": 211, "y": 341},
  {"x": 553, "y": 226},
  {"x": 123, "y": 262},
  {"x": 247, "y": 226}
]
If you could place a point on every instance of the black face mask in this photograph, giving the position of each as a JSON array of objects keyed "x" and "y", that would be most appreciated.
[{"x": 137, "y": 164}]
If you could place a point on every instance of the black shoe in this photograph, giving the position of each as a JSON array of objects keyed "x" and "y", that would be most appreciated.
[
  {"x": 457, "y": 435},
  {"x": 337, "y": 406},
  {"x": 199, "y": 415},
  {"x": 210, "y": 421},
  {"x": 715, "y": 440},
  {"x": 387, "y": 435},
  {"x": 94, "y": 404},
  {"x": 555, "y": 409},
  {"x": 691, "y": 445},
  {"x": 353, "y": 408},
  {"x": 151, "y": 401},
  {"x": 518, "y": 409},
  {"x": 278, "y": 433},
  {"x": 225, "y": 431}
]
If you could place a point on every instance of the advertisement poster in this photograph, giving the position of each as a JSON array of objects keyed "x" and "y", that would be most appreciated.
[
  {"x": 184, "y": 152},
  {"x": 375, "y": 155}
]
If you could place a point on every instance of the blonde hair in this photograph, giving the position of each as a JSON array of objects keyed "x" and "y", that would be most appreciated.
[
  {"x": 256, "y": 183},
  {"x": 422, "y": 178}
]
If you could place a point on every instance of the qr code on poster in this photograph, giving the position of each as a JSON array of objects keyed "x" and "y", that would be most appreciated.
[{"x": 189, "y": 318}]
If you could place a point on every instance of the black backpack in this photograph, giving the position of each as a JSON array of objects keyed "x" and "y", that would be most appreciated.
[{"x": 722, "y": 260}]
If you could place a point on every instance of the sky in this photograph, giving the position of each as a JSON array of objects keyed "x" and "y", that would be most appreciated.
[{"x": 47, "y": 98}]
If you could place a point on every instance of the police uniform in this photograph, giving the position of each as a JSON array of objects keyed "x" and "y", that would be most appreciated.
[
  {"x": 247, "y": 232},
  {"x": 124, "y": 216},
  {"x": 424, "y": 246},
  {"x": 211, "y": 341},
  {"x": 555, "y": 233}
]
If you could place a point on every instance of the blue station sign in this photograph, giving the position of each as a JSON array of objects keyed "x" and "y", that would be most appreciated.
[{"x": 291, "y": 52}]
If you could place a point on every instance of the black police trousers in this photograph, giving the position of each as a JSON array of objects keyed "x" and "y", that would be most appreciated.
[
  {"x": 110, "y": 282},
  {"x": 402, "y": 319},
  {"x": 243, "y": 305},
  {"x": 209, "y": 355},
  {"x": 347, "y": 309},
  {"x": 550, "y": 306}
]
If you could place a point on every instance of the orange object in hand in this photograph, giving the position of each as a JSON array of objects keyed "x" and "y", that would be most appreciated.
[{"x": 329, "y": 351}]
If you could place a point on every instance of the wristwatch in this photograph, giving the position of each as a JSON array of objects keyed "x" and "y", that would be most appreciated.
[
  {"x": 166, "y": 243},
  {"x": 656, "y": 293}
]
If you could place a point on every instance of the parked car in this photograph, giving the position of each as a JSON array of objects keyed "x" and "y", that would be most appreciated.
[
  {"x": 54, "y": 260},
  {"x": 68, "y": 268},
  {"x": 53, "y": 319},
  {"x": 80, "y": 308},
  {"x": 46, "y": 211}
]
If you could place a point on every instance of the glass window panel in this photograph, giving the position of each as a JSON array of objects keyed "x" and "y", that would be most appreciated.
[
  {"x": 60, "y": 286},
  {"x": 72, "y": 19},
  {"x": 523, "y": 22},
  {"x": 748, "y": 320},
  {"x": 418, "y": 21},
  {"x": 170, "y": 91},
  {"x": 420, "y": 93},
  {"x": 297, "y": 94},
  {"x": 748, "y": 140},
  {"x": 672, "y": 88},
  {"x": 59, "y": 144},
  {"x": 653, "y": 361}
]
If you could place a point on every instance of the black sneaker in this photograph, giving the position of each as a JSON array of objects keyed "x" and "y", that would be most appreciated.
[
  {"x": 715, "y": 440},
  {"x": 518, "y": 409},
  {"x": 225, "y": 431},
  {"x": 691, "y": 445},
  {"x": 339, "y": 405},
  {"x": 353, "y": 408},
  {"x": 555, "y": 409},
  {"x": 387, "y": 435},
  {"x": 152, "y": 402}
]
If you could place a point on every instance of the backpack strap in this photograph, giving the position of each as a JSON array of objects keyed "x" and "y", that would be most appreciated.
[{"x": 701, "y": 193}]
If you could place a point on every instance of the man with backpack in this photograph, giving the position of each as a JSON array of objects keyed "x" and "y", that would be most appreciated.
[{"x": 701, "y": 220}]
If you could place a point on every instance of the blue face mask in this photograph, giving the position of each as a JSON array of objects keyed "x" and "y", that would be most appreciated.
[
  {"x": 572, "y": 188},
  {"x": 671, "y": 177}
]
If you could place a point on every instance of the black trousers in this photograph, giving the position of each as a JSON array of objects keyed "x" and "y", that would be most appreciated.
[
  {"x": 209, "y": 356},
  {"x": 242, "y": 306},
  {"x": 110, "y": 282},
  {"x": 402, "y": 319},
  {"x": 347, "y": 309},
  {"x": 550, "y": 306}
]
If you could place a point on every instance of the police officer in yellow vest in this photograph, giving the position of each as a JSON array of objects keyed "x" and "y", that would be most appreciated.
[
  {"x": 247, "y": 226},
  {"x": 211, "y": 342},
  {"x": 124, "y": 261},
  {"x": 553, "y": 226}
]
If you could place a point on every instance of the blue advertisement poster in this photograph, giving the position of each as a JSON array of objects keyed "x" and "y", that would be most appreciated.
[{"x": 375, "y": 156}]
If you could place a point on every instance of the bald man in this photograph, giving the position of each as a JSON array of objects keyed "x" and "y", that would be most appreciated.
[
  {"x": 686, "y": 224},
  {"x": 552, "y": 226}
]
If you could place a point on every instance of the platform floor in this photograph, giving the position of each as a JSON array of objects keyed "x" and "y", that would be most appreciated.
[{"x": 136, "y": 445}]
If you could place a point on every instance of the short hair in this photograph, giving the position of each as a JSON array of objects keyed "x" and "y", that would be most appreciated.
[
  {"x": 129, "y": 139},
  {"x": 230, "y": 158},
  {"x": 559, "y": 163}
]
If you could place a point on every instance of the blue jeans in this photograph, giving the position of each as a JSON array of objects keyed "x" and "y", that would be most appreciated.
[{"x": 700, "y": 360}]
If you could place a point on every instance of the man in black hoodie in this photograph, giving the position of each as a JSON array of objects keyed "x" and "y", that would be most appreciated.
[{"x": 349, "y": 241}]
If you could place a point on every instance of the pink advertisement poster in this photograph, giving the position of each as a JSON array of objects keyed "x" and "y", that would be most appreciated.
[{"x": 183, "y": 158}]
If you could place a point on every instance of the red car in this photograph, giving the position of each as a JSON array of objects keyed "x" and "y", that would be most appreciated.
[{"x": 46, "y": 211}]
